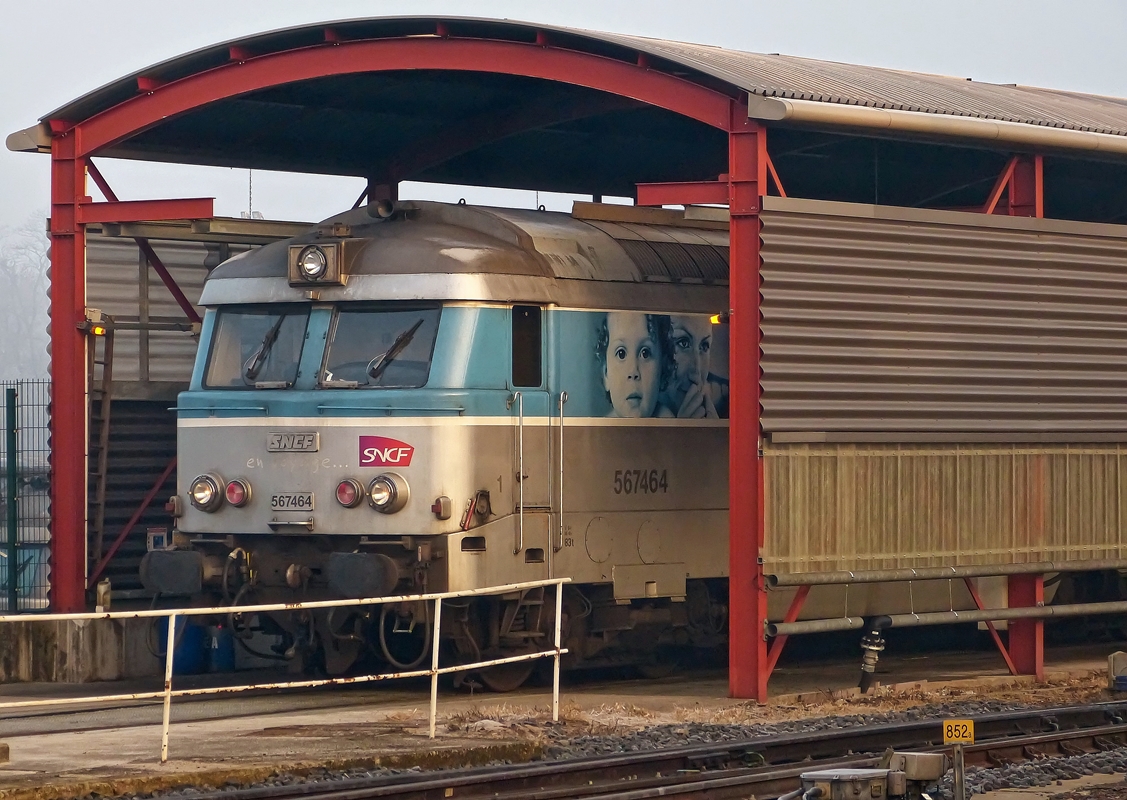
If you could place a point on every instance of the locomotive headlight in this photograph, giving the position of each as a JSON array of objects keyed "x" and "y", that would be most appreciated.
[
  {"x": 312, "y": 263},
  {"x": 205, "y": 493},
  {"x": 388, "y": 493}
]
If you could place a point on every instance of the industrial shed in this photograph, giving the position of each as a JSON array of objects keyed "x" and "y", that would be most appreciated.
[{"x": 927, "y": 294}]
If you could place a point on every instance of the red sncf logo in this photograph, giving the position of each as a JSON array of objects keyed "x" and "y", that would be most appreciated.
[{"x": 381, "y": 451}]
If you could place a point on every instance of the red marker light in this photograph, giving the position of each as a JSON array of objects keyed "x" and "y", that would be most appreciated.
[
  {"x": 238, "y": 493},
  {"x": 349, "y": 493}
]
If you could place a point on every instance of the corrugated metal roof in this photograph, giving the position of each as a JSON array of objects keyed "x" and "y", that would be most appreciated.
[
  {"x": 767, "y": 75},
  {"x": 798, "y": 78}
]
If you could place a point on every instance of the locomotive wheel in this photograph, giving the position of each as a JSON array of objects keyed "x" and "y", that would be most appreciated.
[{"x": 508, "y": 677}]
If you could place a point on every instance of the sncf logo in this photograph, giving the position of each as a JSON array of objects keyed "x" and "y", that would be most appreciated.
[{"x": 380, "y": 451}]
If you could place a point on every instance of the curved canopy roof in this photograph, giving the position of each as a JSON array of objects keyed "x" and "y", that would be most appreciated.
[
  {"x": 771, "y": 75},
  {"x": 474, "y": 126}
]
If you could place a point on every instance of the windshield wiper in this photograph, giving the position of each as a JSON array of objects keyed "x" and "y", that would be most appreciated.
[
  {"x": 256, "y": 362},
  {"x": 378, "y": 365}
]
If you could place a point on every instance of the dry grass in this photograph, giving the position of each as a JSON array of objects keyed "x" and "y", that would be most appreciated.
[{"x": 509, "y": 719}]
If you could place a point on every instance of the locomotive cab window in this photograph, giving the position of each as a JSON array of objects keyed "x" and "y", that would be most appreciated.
[
  {"x": 256, "y": 348},
  {"x": 380, "y": 347},
  {"x": 527, "y": 346}
]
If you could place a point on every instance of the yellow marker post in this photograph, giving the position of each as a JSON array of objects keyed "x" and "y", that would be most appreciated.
[{"x": 957, "y": 732}]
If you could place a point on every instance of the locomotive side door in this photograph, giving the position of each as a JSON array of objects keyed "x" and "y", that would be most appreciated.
[{"x": 532, "y": 414}]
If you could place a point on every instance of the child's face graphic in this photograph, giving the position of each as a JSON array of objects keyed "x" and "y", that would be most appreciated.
[{"x": 633, "y": 369}]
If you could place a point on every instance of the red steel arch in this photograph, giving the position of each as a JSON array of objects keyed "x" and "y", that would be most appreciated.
[
  {"x": 383, "y": 55},
  {"x": 74, "y": 141}
]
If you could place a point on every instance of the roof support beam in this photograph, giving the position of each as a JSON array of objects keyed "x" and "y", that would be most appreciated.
[
  {"x": 1023, "y": 182},
  {"x": 146, "y": 248},
  {"x": 1000, "y": 186},
  {"x": 692, "y": 193},
  {"x": 146, "y": 210}
]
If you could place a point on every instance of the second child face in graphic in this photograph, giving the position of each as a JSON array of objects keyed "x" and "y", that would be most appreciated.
[{"x": 633, "y": 365}]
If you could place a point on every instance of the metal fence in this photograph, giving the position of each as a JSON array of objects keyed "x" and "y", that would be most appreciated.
[
  {"x": 25, "y": 496},
  {"x": 434, "y": 671}
]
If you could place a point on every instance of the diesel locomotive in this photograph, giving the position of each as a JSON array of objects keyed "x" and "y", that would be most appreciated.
[{"x": 427, "y": 397}]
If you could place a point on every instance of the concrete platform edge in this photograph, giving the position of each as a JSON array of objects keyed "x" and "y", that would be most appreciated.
[{"x": 212, "y": 778}]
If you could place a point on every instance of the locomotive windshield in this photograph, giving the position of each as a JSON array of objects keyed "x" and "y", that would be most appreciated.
[
  {"x": 256, "y": 348},
  {"x": 380, "y": 347}
]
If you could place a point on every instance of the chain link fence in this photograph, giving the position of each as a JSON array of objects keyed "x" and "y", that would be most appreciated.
[{"x": 24, "y": 496}]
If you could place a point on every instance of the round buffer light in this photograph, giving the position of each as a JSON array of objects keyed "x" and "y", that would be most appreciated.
[
  {"x": 388, "y": 493},
  {"x": 312, "y": 263},
  {"x": 205, "y": 493},
  {"x": 349, "y": 493},
  {"x": 238, "y": 493}
]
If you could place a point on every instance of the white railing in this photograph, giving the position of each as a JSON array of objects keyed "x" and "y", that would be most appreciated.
[{"x": 434, "y": 671}]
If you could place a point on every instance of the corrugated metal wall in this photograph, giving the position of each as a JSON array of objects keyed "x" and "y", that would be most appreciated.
[
  {"x": 149, "y": 367},
  {"x": 881, "y": 506},
  {"x": 911, "y": 362},
  {"x": 894, "y": 320},
  {"x": 142, "y": 443},
  {"x": 118, "y": 283}
]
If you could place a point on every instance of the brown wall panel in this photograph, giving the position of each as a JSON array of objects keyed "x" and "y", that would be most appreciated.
[{"x": 899, "y": 321}]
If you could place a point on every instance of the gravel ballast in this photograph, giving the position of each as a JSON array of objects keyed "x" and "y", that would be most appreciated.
[{"x": 562, "y": 743}]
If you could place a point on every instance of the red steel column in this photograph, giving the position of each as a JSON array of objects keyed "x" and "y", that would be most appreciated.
[
  {"x": 1027, "y": 636},
  {"x": 747, "y": 644},
  {"x": 1027, "y": 188},
  {"x": 68, "y": 377}
]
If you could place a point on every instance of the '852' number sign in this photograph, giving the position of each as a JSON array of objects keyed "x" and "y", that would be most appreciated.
[
  {"x": 958, "y": 731},
  {"x": 641, "y": 481}
]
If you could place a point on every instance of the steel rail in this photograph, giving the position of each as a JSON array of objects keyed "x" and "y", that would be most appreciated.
[{"x": 716, "y": 769}]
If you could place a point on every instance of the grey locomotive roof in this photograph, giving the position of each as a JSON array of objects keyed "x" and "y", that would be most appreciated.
[
  {"x": 765, "y": 75},
  {"x": 437, "y": 251}
]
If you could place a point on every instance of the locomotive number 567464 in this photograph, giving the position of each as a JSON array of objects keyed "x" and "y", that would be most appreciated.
[{"x": 640, "y": 481}]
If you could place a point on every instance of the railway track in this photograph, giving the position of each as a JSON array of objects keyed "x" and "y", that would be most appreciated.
[{"x": 766, "y": 767}]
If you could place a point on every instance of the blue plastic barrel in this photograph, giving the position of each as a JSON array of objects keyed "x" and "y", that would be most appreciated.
[
  {"x": 189, "y": 657},
  {"x": 220, "y": 649}
]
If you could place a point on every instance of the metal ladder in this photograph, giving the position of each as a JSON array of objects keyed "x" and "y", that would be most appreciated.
[{"x": 100, "y": 403}]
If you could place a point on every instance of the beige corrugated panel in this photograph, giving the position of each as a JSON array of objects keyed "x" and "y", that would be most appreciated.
[
  {"x": 885, "y": 320},
  {"x": 864, "y": 506},
  {"x": 902, "y": 325},
  {"x": 113, "y": 284},
  {"x": 852, "y": 84},
  {"x": 172, "y": 353}
]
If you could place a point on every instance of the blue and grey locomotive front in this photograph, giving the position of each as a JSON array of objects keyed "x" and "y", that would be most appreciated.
[{"x": 428, "y": 397}]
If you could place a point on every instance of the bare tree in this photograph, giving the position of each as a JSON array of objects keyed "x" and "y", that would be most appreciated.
[{"x": 24, "y": 262}]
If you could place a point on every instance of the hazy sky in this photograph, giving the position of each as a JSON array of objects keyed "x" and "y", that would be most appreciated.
[{"x": 52, "y": 53}]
